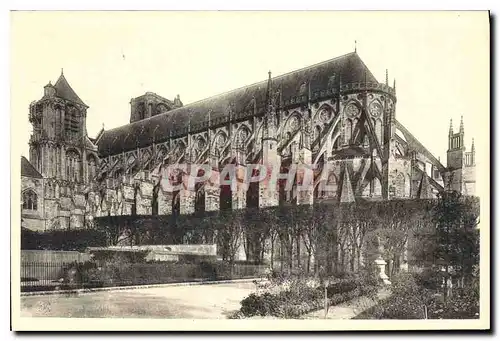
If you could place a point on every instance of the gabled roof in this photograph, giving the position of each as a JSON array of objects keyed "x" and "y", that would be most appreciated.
[
  {"x": 322, "y": 76},
  {"x": 90, "y": 143},
  {"x": 27, "y": 169},
  {"x": 64, "y": 91}
]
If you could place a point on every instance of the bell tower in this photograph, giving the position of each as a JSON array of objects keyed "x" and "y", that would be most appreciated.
[
  {"x": 456, "y": 147},
  {"x": 460, "y": 162},
  {"x": 59, "y": 142},
  {"x": 151, "y": 104}
]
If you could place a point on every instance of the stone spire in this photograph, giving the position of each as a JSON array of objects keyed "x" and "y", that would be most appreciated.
[
  {"x": 451, "y": 127},
  {"x": 387, "y": 77},
  {"x": 269, "y": 94},
  {"x": 347, "y": 194},
  {"x": 424, "y": 190},
  {"x": 269, "y": 120},
  {"x": 473, "y": 153},
  {"x": 461, "y": 124}
]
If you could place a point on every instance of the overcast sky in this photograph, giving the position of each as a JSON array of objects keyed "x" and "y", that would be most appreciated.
[{"x": 440, "y": 60}]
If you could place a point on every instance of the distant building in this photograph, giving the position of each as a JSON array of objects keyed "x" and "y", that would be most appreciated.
[{"x": 334, "y": 115}]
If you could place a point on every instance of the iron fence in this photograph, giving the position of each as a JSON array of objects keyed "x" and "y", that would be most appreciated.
[
  {"x": 46, "y": 276},
  {"x": 42, "y": 274}
]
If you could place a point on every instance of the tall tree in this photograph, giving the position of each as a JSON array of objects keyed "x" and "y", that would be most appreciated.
[{"x": 457, "y": 236}]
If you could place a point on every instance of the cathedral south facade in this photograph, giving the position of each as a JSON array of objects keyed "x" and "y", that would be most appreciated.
[{"x": 334, "y": 115}]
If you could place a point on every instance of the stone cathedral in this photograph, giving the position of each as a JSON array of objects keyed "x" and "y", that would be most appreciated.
[{"x": 334, "y": 115}]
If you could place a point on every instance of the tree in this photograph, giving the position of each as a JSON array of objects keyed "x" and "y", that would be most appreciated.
[
  {"x": 272, "y": 221},
  {"x": 314, "y": 224},
  {"x": 258, "y": 226},
  {"x": 395, "y": 222},
  {"x": 288, "y": 229},
  {"x": 229, "y": 233},
  {"x": 457, "y": 236}
]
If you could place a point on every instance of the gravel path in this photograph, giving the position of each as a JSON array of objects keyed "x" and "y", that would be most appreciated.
[{"x": 213, "y": 301}]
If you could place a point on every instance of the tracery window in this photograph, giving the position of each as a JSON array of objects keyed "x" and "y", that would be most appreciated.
[
  {"x": 30, "y": 200},
  {"x": 73, "y": 166},
  {"x": 91, "y": 167},
  {"x": 399, "y": 184}
]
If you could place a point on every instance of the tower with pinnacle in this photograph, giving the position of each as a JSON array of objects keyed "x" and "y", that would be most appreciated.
[
  {"x": 59, "y": 146},
  {"x": 461, "y": 163}
]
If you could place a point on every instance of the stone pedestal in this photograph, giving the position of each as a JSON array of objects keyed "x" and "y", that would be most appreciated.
[{"x": 380, "y": 263}]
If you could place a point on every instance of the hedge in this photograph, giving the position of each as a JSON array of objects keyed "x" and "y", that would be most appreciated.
[{"x": 65, "y": 240}]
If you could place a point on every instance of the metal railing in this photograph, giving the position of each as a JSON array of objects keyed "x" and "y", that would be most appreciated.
[{"x": 46, "y": 276}]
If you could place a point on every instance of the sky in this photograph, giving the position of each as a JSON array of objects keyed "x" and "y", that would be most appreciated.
[{"x": 440, "y": 61}]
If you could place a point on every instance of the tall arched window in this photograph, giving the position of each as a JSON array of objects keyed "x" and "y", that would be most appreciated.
[
  {"x": 199, "y": 203},
  {"x": 91, "y": 167},
  {"x": 72, "y": 166},
  {"x": 399, "y": 183},
  {"x": 30, "y": 200}
]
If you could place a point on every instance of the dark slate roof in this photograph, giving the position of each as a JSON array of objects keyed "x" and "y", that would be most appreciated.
[
  {"x": 349, "y": 68},
  {"x": 64, "y": 90},
  {"x": 28, "y": 170}
]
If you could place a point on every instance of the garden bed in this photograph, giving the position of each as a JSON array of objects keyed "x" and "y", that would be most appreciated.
[
  {"x": 293, "y": 298},
  {"x": 413, "y": 297}
]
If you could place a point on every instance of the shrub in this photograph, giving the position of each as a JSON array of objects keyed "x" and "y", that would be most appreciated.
[
  {"x": 428, "y": 279},
  {"x": 208, "y": 270},
  {"x": 293, "y": 297},
  {"x": 408, "y": 299},
  {"x": 75, "y": 274},
  {"x": 463, "y": 304},
  {"x": 262, "y": 305}
]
